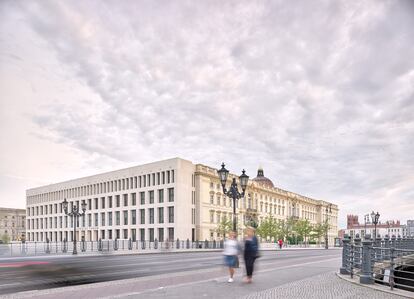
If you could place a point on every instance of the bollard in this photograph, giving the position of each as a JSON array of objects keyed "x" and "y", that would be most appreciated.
[
  {"x": 116, "y": 244},
  {"x": 392, "y": 266},
  {"x": 130, "y": 244},
  {"x": 100, "y": 244},
  {"x": 156, "y": 243},
  {"x": 178, "y": 244},
  {"x": 378, "y": 256},
  {"x": 357, "y": 252},
  {"x": 188, "y": 244},
  {"x": 345, "y": 250},
  {"x": 83, "y": 247},
  {"x": 366, "y": 269}
]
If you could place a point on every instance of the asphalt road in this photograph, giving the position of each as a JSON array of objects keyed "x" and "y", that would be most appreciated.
[{"x": 38, "y": 273}]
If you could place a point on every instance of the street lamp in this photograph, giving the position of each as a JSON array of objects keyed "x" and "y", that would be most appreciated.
[
  {"x": 233, "y": 192},
  {"x": 375, "y": 218},
  {"x": 327, "y": 210},
  {"x": 366, "y": 220},
  {"x": 75, "y": 214}
]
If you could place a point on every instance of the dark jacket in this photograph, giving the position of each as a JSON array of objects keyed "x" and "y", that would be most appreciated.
[{"x": 251, "y": 248}]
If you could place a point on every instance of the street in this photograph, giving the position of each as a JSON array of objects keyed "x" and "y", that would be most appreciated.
[{"x": 160, "y": 270}]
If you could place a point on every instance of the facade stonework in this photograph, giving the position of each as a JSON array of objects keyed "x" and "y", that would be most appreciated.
[
  {"x": 163, "y": 200},
  {"x": 12, "y": 223}
]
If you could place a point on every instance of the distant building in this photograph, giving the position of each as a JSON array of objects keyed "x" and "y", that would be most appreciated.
[
  {"x": 410, "y": 228},
  {"x": 162, "y": 200},
  {"x": 12, "y": 223},
  {"x": 389, "y": 227}
]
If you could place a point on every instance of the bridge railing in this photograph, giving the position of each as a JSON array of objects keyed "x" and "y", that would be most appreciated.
[
  {"x": 105, "y": 246},
  {"x": 386, "y": 261}
]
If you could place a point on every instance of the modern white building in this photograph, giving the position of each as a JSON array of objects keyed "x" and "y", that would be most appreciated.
[{"x": 163, "y": 200}]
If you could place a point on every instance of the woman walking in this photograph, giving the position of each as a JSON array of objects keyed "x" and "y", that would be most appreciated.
[
  {"x": 231, "y": 250},
  {"x": 251, "y": 248}
]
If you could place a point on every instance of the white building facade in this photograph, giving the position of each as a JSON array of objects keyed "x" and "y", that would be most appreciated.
[{"x": 170, "y": 199}]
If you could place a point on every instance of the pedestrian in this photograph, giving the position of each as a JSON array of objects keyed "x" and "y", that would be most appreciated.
[
  {"x": 230, "y": 252},
  {"x": 251, "y": 252},
  {"x": 280, "y": 243}
]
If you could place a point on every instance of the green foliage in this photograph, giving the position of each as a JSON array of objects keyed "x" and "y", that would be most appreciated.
[
  {"x": 268, "y": 228},
  {"x": 303, "y": 228},
  {"x": 5, "y": 238},
  {"x": 224, "y": 227}
]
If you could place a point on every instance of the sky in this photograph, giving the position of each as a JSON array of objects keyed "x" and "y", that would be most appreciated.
[{"x": 318, "y": 93}]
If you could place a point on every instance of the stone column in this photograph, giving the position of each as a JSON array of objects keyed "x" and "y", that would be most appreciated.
[
  {"x": 357, "y": 253},
  {"x": 393, "y": 241},
  {"x": 366, "y": 269},
  {"x": 345, "y": 255},
  {"x": 378, "y": 252}
]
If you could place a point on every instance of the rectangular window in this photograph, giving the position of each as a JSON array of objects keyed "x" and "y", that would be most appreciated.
[
  {"x": 90, "y": 204},
  {"x": 170, "y": 194},
  {"x": 125, "y": 234},
  {"x": 161, "y": 234},
  {"x": 96, "y": 219},
  {"x": 168, "y": 176},
  {"x": 109, "y": 218},
  {"x": 102, "y": 202},
  {"x": 117, "y": 218},
  {"x": 171, "y": 214},
  {"x": 142, "y": 216},
  {"x": 151, "y": 196},
  {"x": 125, "y": 217},
  {"x": 110, "y": 202},
  {"x": 134, "y": 199},
  {"x": 163, "y": 177},
  {"x": 160, "y": 215},
  {"x": 103, "y": 219},
  {"x": 171, "y": 233},
  {"x": 151, "y": 216},
  {"x": 142, "y": 234},
  {"x": 153, "y": 179},
  {"x": 161, "y": 195},
  {"x": 89, "y": 220},
  {"x": 158, "y": 178},
  {"x": 96, "y": 203},
  {"x": 125, "y": 200},
  {"x": 145, "y": 180},
  {"x": 134, "y": 217},
  {"x": 142, "y": 197},
  {"x": 118, "y": 200},
  {"x": 211, "y": 199},
  {"x": 172, "y": 176},
  {"x": 140, "y": 181},
  {"x": 151, "y": 234}
]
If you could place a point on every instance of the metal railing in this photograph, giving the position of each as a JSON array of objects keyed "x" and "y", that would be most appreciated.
[
  {"x": 387, "y": 261},
  {"x": 103, "y": 246}
]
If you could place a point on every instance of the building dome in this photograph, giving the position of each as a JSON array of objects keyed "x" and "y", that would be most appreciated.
[{"x": 261, "y": 179}]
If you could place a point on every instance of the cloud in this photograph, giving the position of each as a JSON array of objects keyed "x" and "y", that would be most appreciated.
[{"x": 320, "y": 94}]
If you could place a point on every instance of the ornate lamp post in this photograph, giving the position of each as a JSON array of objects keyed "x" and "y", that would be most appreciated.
[
  {"x": 75, "y": 214},
  {"x": 233, "y": 192},
  {"x": 375, "y": 218},
  {"x": 327, "y": 210}
]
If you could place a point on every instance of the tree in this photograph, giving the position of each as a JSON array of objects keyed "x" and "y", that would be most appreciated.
[
  {"x": 268, "y": 228},
  {"x": 5, "y": 238},
  {"x": 224, "y": 226},
  {"x": 319, "y": 230},
  {"x": 303, "y": 228}
]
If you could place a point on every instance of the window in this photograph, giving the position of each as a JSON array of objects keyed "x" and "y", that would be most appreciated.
[
  {"x": 211, "y": 199},
  {"x": 118, "y": 200},
  {"x": 89, "y": 220},
  {"x": 110, "y": 201},
  {"x": 170, "y": 194},
  {"x": 89, "y": 204},
  {"x": 160, "y": 215},
  {"x": 109, "y": 218},
  {"x": 117, "y": 218},
  {"x": 161, "y": 195},
  {"x": 96, "y": 203},
  {"x": 103, "y": 219},
  {"x": 151, "y": 215},
  {"x": 158, "y": 178},
  {"x": 125, "y": 200},
  {"x": 168, "y": 176},
  {"x": 161, "y": 234},
  {"x": 102, "y": 202},
  {"x": 153, "y": 179},
  {"x": 125, "y": 217},
  {"x": 96, "y": 219},
  {"x": 163, "y": 177},
  {"x": 211, "y": 216},
  {"x": 171, "y": 233},
  {"x": 134, "y": 216},
  {"x": 142, "y": 197},
  {"x": 142, "y": 216},
  {"x": 151, "y": 234},
  {"x": 134, "y": 199},
  {"x": 171, "y": 214},
  {"x": 151, "y": 196},
  {"x": 125, "y": 233},
  {"x": 142, "y": 234},
  {"x": 218, "y": 200}
]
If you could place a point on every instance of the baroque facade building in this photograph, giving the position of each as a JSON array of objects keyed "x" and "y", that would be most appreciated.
[
  {"x": 12, "y": 223},
  {"x": 163, "y": 200}
]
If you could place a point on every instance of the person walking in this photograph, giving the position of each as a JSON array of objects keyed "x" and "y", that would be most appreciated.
[
  {"x": 251, "y": 250},
  {"x": 230, "y": 252},
  {"x": 280, "y": 243}
]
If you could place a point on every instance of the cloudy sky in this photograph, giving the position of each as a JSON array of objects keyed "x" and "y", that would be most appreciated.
[{"x": 320, "y": 93}]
